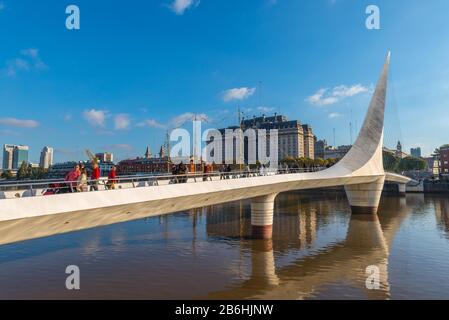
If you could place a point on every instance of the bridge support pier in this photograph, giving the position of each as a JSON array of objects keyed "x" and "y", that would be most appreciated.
[
  {"x": 262, "y": 209},
  {"x": 364, "y": 198},
  {"x": 401, "y": 189}
]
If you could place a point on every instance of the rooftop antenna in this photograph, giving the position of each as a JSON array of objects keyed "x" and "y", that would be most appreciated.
[
  {"x": 239, "y": 116},
  {"x": 334, "y": 138},
  {"x": 350, "y": 129}
]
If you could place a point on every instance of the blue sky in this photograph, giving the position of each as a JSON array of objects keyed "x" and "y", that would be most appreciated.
[{"x": 138, "y": 68}]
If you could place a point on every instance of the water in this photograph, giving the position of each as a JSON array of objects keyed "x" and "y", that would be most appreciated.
[{"x": 318, "y": 251}]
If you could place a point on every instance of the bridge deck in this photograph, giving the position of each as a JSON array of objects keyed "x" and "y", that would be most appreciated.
[{"x": 166, "y": 198}]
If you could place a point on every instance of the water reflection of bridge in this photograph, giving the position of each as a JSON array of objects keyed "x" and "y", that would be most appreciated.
[
  {"x": 368, "y": 242},
  {"x": 296, "y": 218}
]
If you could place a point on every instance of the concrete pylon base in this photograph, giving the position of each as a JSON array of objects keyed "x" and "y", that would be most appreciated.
[
  {"x": 365, "y": 198},
  {"x": 262, "y": 209},
  {"x": 363, "y": 210},
  {"x": 402, "y": 190},
  {"x": 262, "y": 232}
]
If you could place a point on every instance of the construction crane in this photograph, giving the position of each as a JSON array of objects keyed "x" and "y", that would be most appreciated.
[{"x": 91, "y": 156}]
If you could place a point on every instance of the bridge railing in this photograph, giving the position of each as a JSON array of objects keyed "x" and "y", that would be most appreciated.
[{"x": 19, "y": 189}]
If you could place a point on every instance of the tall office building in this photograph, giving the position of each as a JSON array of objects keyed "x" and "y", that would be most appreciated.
[
  {"x": 8, "y": 151},
  {"x": 20, "y": 155},
  {"x": 46, "y": 160},
  {"x": 416, "y": 152},
  {"x": 13, "y": 156}
]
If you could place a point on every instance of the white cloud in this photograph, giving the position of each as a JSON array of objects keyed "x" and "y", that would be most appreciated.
[
  {"x": 238, "y": 93},
  {"x": 333, "y": 115},
  {"x": 265, "y": 109},
  {"x": 180, "y": 6},
  {"x": 95, "y": 118},
  {"x": 31, "y": 52},
  {"x": 65, "y": 151},
  {"x": 188, "y": 116},
  {"x": 122, "y": 121},
  {"x": 152, "y": 123},
  {"x": 344, "y": 91},
  {"x": 29, "y": 60},
  {"x": 2, "y": 5},
  {"x": 13, "y": 122},
  {"x": 119, "y": 146},
  {"x": 326, "y": 97},
  {"x": 15, "y": 65}
]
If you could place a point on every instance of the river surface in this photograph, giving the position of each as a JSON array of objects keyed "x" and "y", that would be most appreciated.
[{"x": 318, "y": 251}]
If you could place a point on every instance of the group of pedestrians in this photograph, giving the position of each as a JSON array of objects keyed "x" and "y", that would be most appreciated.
[
  {"x": 182, "y": 171},
  {"x": 179, "y": 171},
  {"x": 225, "y": 171},
  {"x": 77, "y": 178}
]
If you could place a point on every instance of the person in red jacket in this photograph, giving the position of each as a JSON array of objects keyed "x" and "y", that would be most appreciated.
[
  {"x": 72, "y": 178},
  {"x": 112, "y": 178},
  {"x": 95, "y": 176}
]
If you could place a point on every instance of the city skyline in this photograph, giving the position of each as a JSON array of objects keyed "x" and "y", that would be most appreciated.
[{"x": 312, "y": 61}]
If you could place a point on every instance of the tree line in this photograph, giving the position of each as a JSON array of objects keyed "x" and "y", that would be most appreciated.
[
  {"x": 25, "y": 172},
  {"x": 396, "y": 164},
  {"x": 304, "y": 162}
]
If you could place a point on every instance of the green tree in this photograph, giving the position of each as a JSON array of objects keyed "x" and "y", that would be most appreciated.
[
  {"x": 412, "y": 163},
  {"x": 332, "y": 161},
  {"x": 309, "y": 162},
  {"x": 7, "y": 174},
  {"x": 290, "y": 161},
  {"x": 320, "y": 162},
  {"x": 23, "y": 172},
  {"x": 37, "y": 173},
  {"x": 391, "y": 162},
  {"x": 301, "y": 162}
]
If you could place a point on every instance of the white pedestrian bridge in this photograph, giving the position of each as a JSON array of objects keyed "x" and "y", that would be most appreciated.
[{"x": 360, "y": 172}]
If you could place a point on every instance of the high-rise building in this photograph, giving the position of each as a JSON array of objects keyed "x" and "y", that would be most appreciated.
[
  {"x": 46, "y": 159},
  {"x": 13, "y": 156},
  {"x": 416, "y": 152},
  {"x": 20, "y": 155},
  {"x": 8, "y": 151}
]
